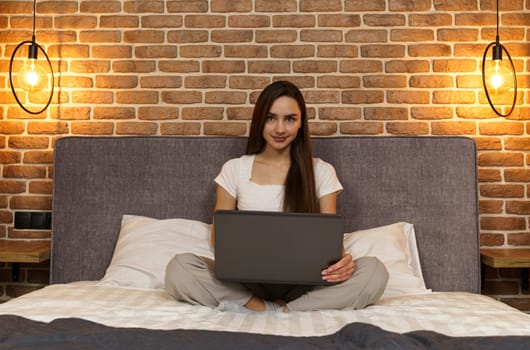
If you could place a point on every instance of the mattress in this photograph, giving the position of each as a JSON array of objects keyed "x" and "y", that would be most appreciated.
[{"x": 450, "y": 313}]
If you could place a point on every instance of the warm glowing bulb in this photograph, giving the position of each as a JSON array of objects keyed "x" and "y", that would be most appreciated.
[
  {"x": 500, "y": 77},
  {"x": 32, "y": 77},
  {"x": 497, "y": 79}
]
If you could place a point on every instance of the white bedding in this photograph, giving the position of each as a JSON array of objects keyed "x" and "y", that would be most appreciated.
[{"x": 455, "y": 314}]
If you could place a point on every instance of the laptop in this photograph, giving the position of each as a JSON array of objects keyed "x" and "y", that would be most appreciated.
[{"x": 276, "y": 247}]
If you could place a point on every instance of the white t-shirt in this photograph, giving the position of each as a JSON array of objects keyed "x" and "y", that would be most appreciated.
[{"x": 235, "y": 176}]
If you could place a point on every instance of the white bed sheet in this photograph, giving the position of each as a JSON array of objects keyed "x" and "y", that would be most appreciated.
[{"x": 454, "y": 314}]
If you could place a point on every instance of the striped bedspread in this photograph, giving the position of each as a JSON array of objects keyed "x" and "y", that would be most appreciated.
[{"x": 453, "y": 314}]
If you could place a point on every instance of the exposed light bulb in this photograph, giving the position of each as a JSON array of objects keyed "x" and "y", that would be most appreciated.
[
  {"x": 500, "y": 77},
  {"x": 32, "y": 77}
]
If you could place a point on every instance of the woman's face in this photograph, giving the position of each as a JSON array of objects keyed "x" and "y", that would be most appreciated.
[{"x": 282, "y": 123}]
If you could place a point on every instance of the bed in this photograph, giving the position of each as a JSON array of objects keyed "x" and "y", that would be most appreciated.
[{"x": 123, "y": 206}]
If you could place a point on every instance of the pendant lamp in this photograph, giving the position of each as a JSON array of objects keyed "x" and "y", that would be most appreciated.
[
  {"x": 498, "y": 76},
  {"x": 32, "y": 83}
]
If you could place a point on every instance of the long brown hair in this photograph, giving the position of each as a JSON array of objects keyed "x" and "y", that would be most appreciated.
[{"x": 300, "y": 192}]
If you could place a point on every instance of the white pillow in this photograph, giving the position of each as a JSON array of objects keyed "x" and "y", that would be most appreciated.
[
  {"x": 146, "y": 245},
  {"x": 395, "y": 245}
]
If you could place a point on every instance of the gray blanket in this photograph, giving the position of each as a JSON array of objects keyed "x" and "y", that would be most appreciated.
[{"x": 71, "y": 333}]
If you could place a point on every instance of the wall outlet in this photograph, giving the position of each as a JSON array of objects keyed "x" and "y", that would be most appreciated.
[{"x": 34, "y": 220}]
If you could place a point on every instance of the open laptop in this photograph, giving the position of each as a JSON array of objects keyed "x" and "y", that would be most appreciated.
[{"x": 276, "y": 247}]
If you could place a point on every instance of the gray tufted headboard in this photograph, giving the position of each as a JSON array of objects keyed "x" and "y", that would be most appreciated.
[{"x": 430, "y": 182}]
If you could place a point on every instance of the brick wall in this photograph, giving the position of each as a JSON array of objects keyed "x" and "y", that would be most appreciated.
[{"x": 195, "y": 67}]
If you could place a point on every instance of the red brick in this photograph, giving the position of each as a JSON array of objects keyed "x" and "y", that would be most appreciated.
[
  {"x": 314, "y": 66},
  {"x": 225, "y": 129},
  {"x": 453, "y": 128},
  {"x": 431, "y": 113},
  {"x": 454, "y": 65},
  {"x": 180, "y": 128},
  {"x": 457, "y": 34},
  {"x": 411, "y": 35},
  {"x": 412, "y": 6},
  {"x": 117, "y": 21},
  {"x": 321, "y": 36},
  {"x": 431, "y": 20},
  {"x": 366, "y": 36},
  {"x": 182, "y": 97},
  {"x": 339, "y": 20},
  {"x": 429, "y": 50},
  {"x": 518, "y": 207},
  {"x": 517, "y": 175},
  {"x": 337, "y": 51},
  {"x": 489, "y": 175},
  {"x": 184, "y": 6},
  {"x": 38, "y": 157},
  {"x": 162, "y": 21},
  {"x": 490, "y": 207},
  {"x": 204, "y": 21},
  {"x": 41, "y": 187},
  {"x": 362, "y": 96},
  {"x": 339, "y": 113},
  {"x": 231, "y": 36},
  {"x": 8, "y": 186},
  {"x": 384, "y": 20},
  {"x": 488, "y": 143},
  {"x": 136, "y": 128},
  {"x": 502, "y": 128},
  {"x": 10, "y": 157},
  {"x": 296, "y": 21},
  {"x": 158, "y": 113},
  {"x": 361, "y": 128},
  {"x": 248, "y": 82},
  {"x": 239, "y": 113},
  {"x": 385, "y": 113},
  {"x": 501, "y": 191},
  {"x": 502, "y": 223},
  {"x": 100, "y": 6},
  {"x": 322, "y": 128},
  {"x": 247, "y": 51},
  {"x": 225, "y": 97},
  {"x": 182, "y": 66},
  {"x": 320, "y": 6},
  {"x": 407, "y": 128},
  {"x": 114, "y": 113},
  {"x": 31, "y": 202},
  {"x": 519, "y": 239},
  {"x": 187, "y": 36},
  {"x": 292, "y": 51},
  {"x": 365, "y": 66},
  {"x": 156, "y": 51},
  {"x": 407, "y": 96},
  {"x": 118, "y": 51},
  {"x": 223, "y": 66},
  {"x": 338, "y": 82},
  {"x": 248, "y": 21},
  {"x": 143, "y": 6},
  {"x": 407, "y": 66},
  {"x": 363, "y": 5},
  {"x": 383, "y": 51},
  {"x": 92, "y": 128},
  {"x": 198, "y": 113},
  {"x": 449, "y": 5},
  {"x": 137, "y": 97},
  {"x": 385, "y": 81},
  {"x": 500, "y": 159}
]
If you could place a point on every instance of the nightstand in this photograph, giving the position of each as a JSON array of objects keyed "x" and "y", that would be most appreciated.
[
  {"x": 16, "y": 252},
  {"x": 504, "y": 258}
]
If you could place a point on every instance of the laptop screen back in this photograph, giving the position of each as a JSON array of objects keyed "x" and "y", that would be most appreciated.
[{"x": 276, "y": 247}]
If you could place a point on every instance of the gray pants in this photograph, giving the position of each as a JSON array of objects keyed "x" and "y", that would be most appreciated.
[{"x": 190, "y": 278}]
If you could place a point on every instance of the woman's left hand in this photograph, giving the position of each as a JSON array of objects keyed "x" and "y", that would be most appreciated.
[{"x": 341, "y": 271}]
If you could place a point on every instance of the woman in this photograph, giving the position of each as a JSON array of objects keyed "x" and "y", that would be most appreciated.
[{"x": 278, "y": 173}]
